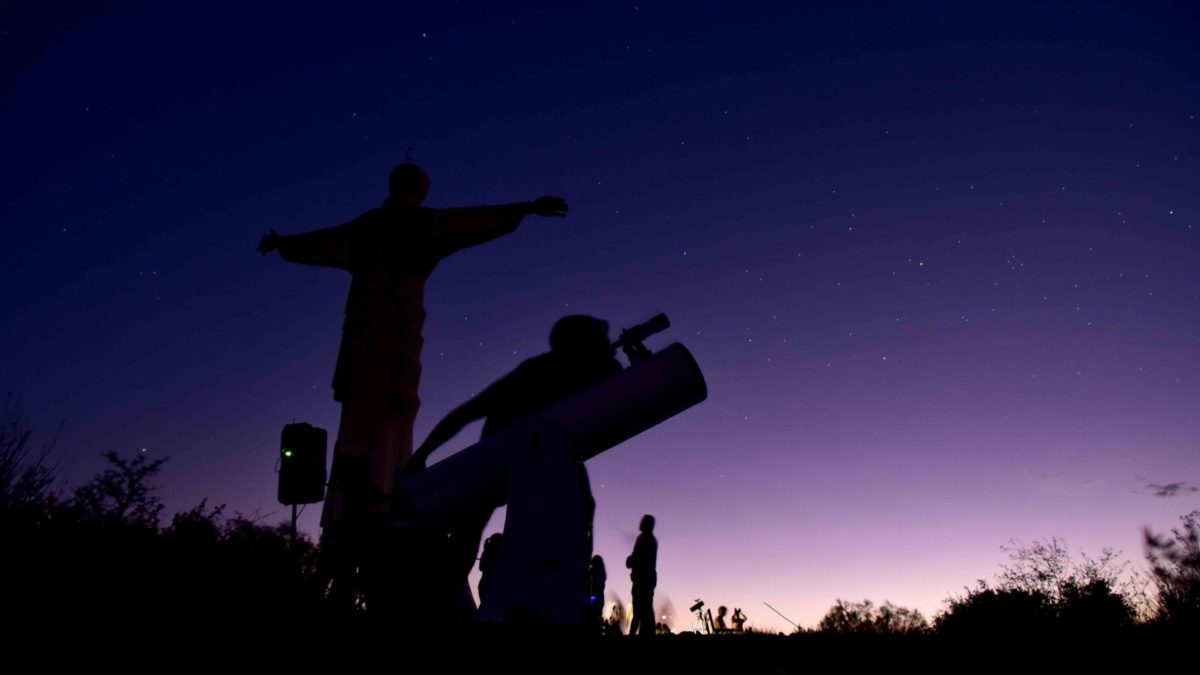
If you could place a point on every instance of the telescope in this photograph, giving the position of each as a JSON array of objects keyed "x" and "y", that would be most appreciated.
[{"x": 535, "y": 468}]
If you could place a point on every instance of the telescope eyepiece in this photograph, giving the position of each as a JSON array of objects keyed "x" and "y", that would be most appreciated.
[
  {"x": 632, "y": 338},
  {"x": 640, "y": 332}
]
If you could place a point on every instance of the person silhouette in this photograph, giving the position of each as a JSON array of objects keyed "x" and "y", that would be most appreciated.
[
  {"x": 719, "y": 624},
  {"x": 597, "y": 577},
  {"x": 390, "y": 252},
  {"x": 580, "y": 355},
  {"x": 487, "y": 560},
  {"x": 738, "y": 620},
  {"x": 643, "y": 563}
]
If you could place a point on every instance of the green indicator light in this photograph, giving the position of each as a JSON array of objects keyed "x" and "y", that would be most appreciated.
[{"x": 287, "y": 453}]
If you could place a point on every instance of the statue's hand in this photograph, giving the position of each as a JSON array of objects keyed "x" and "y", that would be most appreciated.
[
  {"x": 550, "y": 206},
  {"x": 269, "y": 243}
]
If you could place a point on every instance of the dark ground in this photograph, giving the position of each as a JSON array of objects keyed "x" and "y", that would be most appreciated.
[{"x": 283, "y": 648}]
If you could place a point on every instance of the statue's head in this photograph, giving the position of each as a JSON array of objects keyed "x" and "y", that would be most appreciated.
[
  {"x": 408, "y": 184},
  {"x": 647, "y": 524},
  {"x": 580, "y": 336}
]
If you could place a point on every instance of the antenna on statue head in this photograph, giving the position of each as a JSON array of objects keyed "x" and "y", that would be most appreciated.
[{"x": 408, "y": 154}]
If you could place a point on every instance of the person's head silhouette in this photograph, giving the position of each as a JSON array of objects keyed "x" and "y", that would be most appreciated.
[
  {"x": 408, "y": 184},
  {"x": 580, "y": 337},
  {"x": 647, "y": 524}
]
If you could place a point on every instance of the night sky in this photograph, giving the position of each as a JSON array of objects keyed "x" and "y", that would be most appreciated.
[{"x": 940, "y": 266}]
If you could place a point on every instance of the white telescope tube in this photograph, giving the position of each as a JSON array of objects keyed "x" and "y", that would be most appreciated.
[{"x": 592, "y": 421}]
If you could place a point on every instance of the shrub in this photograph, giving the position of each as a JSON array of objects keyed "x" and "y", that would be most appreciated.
[
  {"x": 1175, "y": 566},
  {"x": 26, "y": 481},
  {"x": 1042, "y": 589},
  {"x": 859, "y": 618}
]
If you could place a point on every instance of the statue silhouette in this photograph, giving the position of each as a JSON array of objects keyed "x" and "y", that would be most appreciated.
[{"x": 390, "y": 252}]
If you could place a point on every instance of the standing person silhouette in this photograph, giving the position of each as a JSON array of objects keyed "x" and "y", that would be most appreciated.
[
  {"x": 487, "y": 560},
  {"x": 597, "y": 577},
  {"x": 390, "y": 252},
  {"x": 643, "y": 563}
]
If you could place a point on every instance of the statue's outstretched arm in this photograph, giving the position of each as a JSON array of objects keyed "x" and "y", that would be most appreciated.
[
  {"x": 456, "y": 229},
  {"x": 328, "y": 247}
]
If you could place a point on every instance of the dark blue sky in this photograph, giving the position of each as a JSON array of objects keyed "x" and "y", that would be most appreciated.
[{"x": 939, "y": 265}]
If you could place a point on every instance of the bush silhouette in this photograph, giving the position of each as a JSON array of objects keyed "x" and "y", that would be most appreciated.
[
  {"x": 102, "y": 559},
  {"x": 26, "y": 482},
  {"x": 1175, "y": 566},
  {"x": 122, "y": 495},
  {"x": 863, "y": 618},
  {"x": 1004, "y": 612},
  {"x": 1042, "y": 590}
]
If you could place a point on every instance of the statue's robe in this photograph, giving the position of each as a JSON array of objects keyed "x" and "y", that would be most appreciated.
[{"x": 390, "y": 251}]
